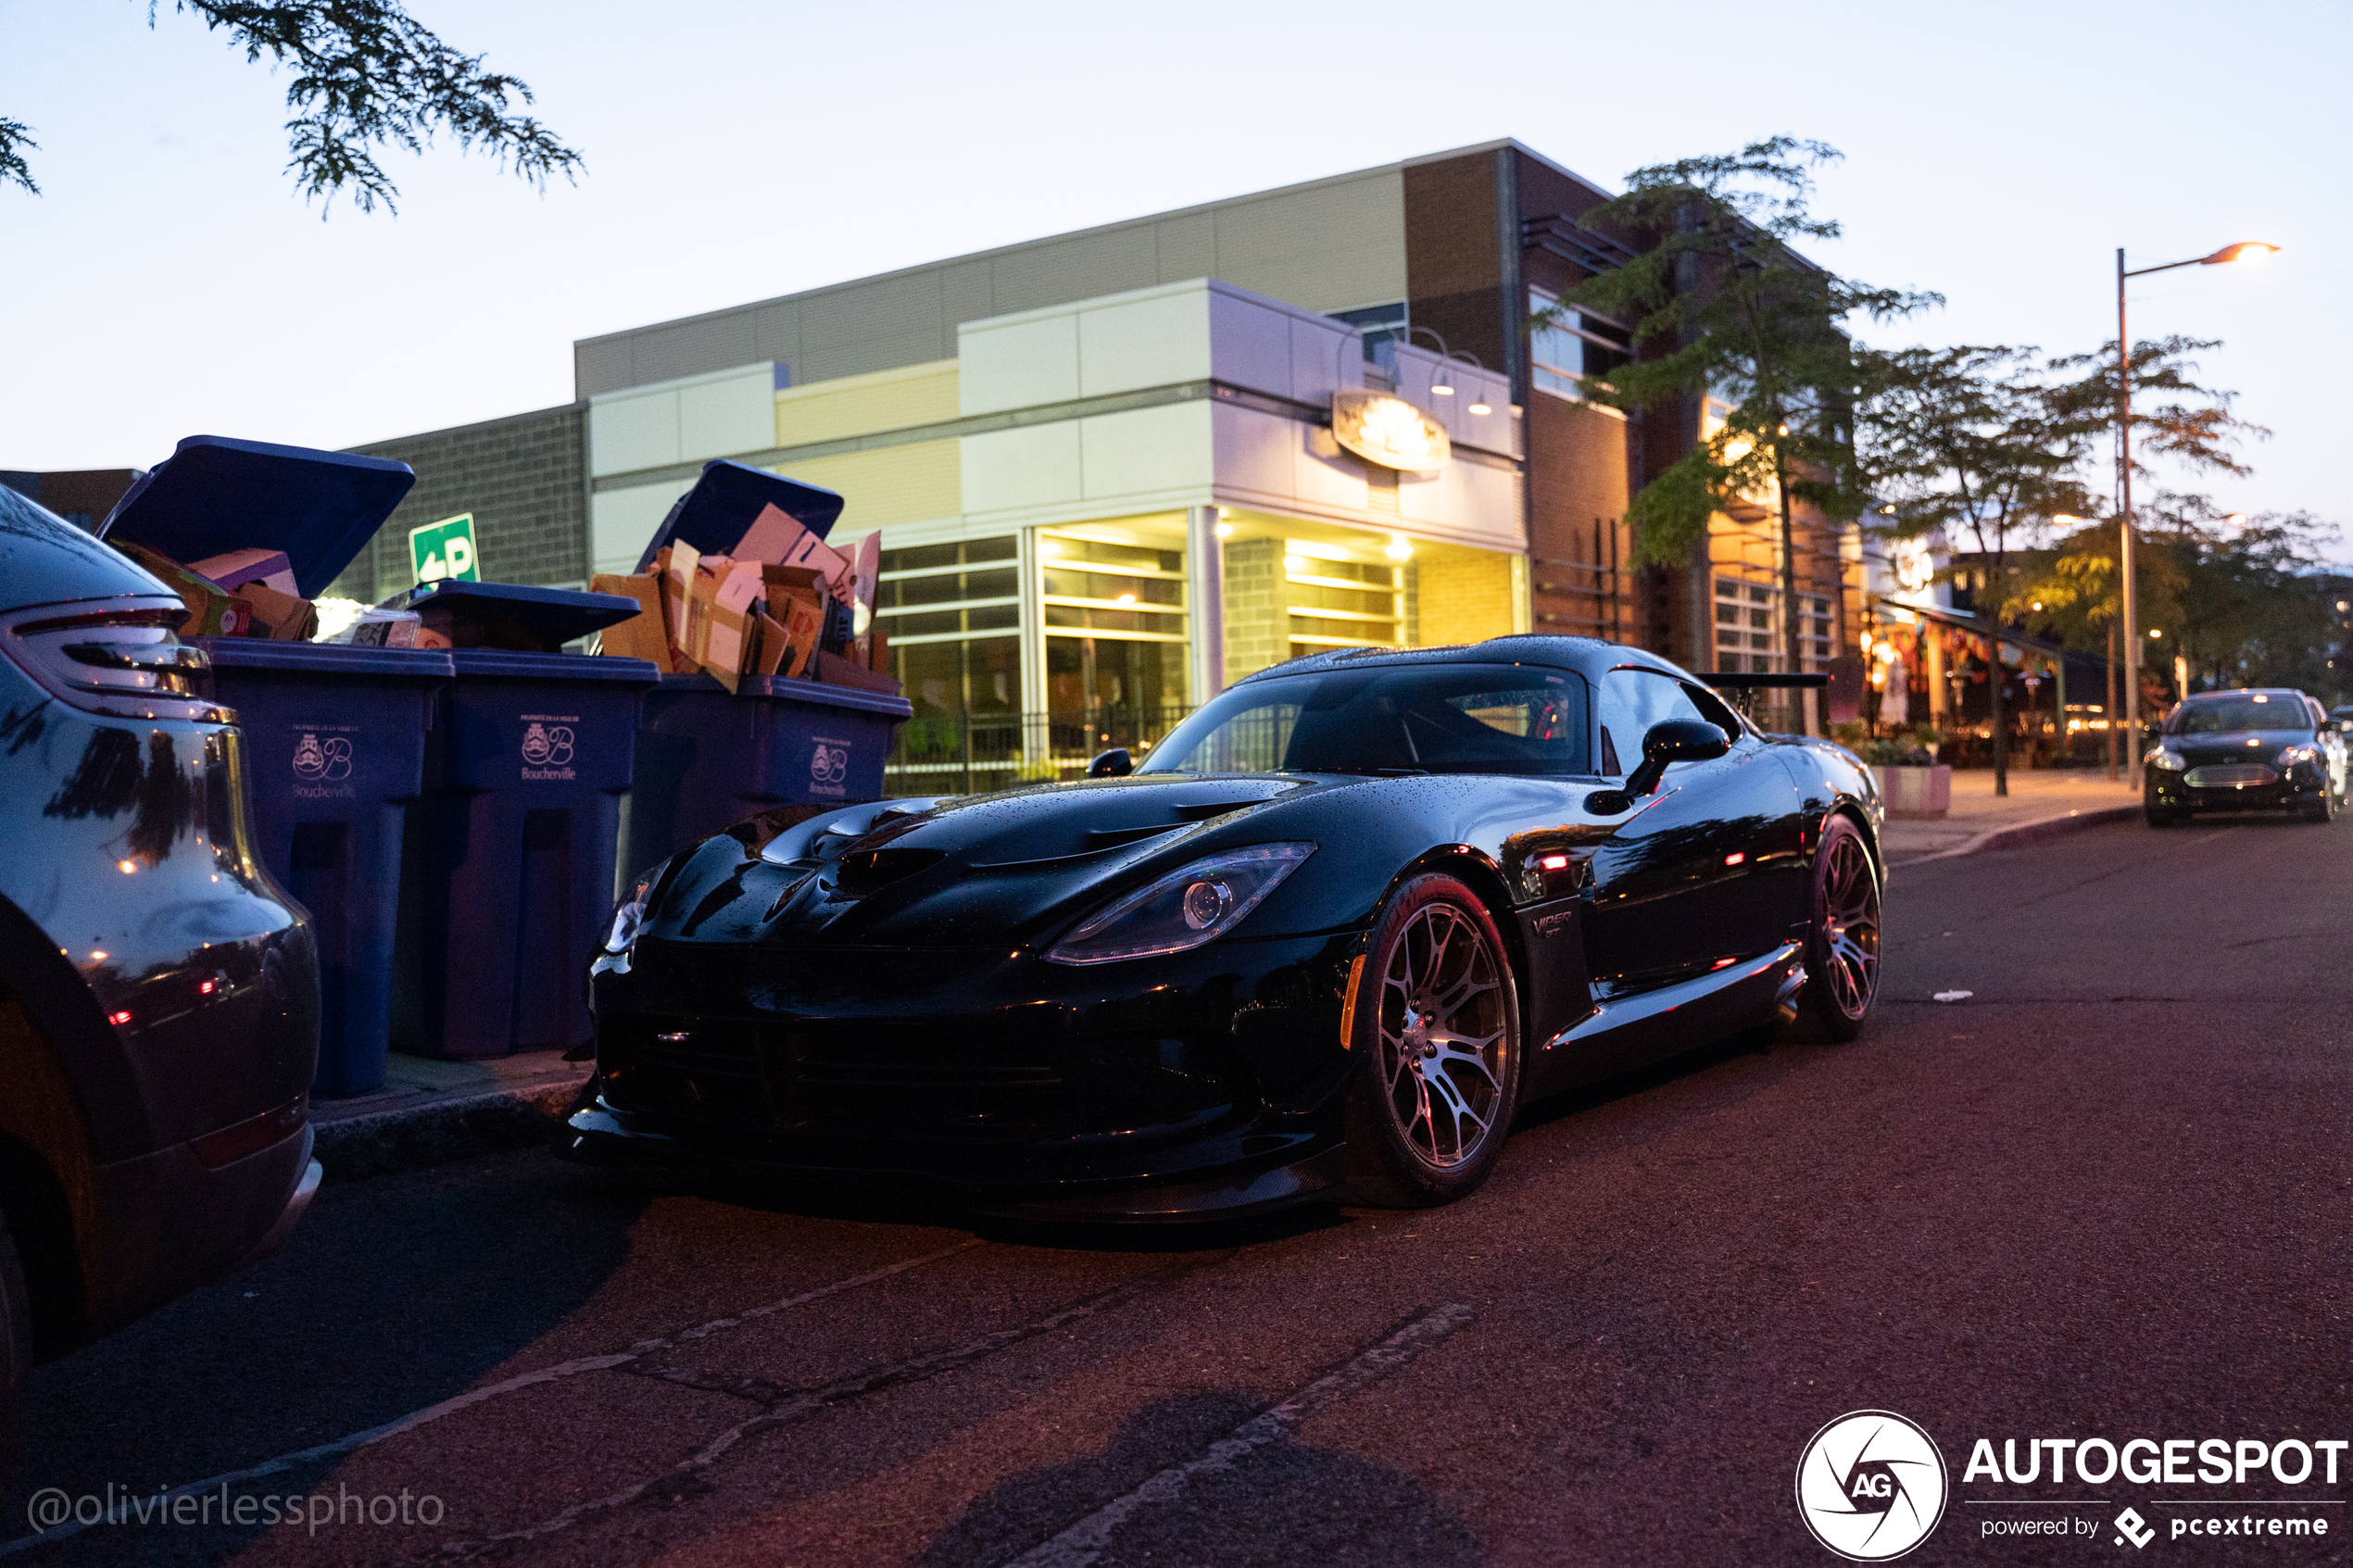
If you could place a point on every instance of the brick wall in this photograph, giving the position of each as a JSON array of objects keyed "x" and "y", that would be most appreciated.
[
  {"x": 1257, "y": 614},
  {"x": 522, "y": 477},
  {"x": 1463, "y": 598}
]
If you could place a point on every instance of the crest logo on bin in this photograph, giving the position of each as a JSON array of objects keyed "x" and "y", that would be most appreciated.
[
  {"x": 328, "y": 760},
  {"x": 547, "y": 745},
  {"x": 828, "y": 768}
]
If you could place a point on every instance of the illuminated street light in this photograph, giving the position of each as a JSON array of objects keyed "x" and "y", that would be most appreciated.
[{"x": 2242, "y": 251}]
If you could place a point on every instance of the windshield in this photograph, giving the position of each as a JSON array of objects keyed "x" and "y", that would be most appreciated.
[
  {"x": 1425, "y": 718},
  {"x": 2221, "y": 715}
]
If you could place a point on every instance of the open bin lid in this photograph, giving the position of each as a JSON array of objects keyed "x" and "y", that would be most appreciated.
[
  {"x": 551, "y": 617},
  {"x": 728, "y": 498},
  {"x": 214, "y": 495}
]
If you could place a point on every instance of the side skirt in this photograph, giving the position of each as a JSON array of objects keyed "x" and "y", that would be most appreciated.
[{"x": 1625, "y": 1031}]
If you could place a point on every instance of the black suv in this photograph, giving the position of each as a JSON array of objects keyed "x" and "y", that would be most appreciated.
[{"x": 159, "y": 993}]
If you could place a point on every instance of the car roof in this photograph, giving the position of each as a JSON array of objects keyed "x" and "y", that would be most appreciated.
[{"x": 1587, "y": 656}]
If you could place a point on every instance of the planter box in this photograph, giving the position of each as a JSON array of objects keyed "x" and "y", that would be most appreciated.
[{"x": 1916, "y": 791}]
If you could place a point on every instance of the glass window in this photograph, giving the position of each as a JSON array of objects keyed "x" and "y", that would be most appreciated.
[
  {"x": 1423, "y": 719},
  {"x": 2224, "y": 715},
  {"x": 1574, "y": 346},
  {"x": 1385, "y": 326}
]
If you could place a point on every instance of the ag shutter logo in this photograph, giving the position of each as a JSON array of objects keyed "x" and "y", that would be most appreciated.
[{"x": 1871, "y": 1485}]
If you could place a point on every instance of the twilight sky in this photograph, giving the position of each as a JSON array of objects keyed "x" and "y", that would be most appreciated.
[{"x": 170, "y": 282}]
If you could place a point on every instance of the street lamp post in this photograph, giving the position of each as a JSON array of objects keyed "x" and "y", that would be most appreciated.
[{"x": 2127, "y": 608}]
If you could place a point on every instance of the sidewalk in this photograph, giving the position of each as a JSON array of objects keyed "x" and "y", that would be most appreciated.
[
  {"x": 2041, "y": 803},
  {"x": 429, "y": 1111}
]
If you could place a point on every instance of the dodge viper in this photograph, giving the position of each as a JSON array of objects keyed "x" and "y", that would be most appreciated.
[{"x": 1335, "y": 929}]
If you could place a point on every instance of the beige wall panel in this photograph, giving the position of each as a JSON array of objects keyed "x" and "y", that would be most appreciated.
[
  {"x": 633, "y": 430},
  {"x": 862, "y": 404},
  {"x": 1156, "y": 341},
  {"x": 719, "y": 417},
  {"x": 1032, "y": 466},
  {"x": 1332, "y": 247},
  {"x": 1062, "y": 272},
  {"x": 1147, "y": 452},
  {"x": 1187, "y": 246},
  {"x": 1258, "y": 452},
  {"x": 883, "y": 308},
  {"x": 1018, "y": 365},
  {"x": 1249, "y": 343},
  {"x": 898, "y": 484},
  {"x": 1323, "y": 357},
  {"x": 1324, "y": 473},
  {"x": 622, "y": 521}
]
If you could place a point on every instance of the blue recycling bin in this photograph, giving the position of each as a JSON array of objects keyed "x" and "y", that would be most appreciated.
[
  {"x": 334, "y": 744},
  {"x": 507, "y": 874},
  {"x": 334, "y": 736},
  {"x": 707, "y": 760}
]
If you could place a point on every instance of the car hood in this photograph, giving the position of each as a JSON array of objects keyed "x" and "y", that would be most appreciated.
[
  {"x": 977, "y": 873},
  {"x": 2238, "y": 746}
]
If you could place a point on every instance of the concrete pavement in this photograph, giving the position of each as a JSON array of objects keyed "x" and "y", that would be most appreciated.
[{"x": 2042, "y": 803}]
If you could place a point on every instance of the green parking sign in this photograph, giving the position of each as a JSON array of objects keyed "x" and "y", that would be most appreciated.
[{"x": 444, "y": 550}]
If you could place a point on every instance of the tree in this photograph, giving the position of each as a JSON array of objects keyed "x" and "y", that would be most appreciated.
[
  {"x": 1720, "y": 304},
  {"x": 1974, "y": 442},
  {"x": 366, "y": 76}
]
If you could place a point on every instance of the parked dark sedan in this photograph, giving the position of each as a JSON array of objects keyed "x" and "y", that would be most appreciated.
[
  {"x": 2245, "y": 751},
  {"x": 1345, "y": 920},
  {"x": 159, "y": 994}
]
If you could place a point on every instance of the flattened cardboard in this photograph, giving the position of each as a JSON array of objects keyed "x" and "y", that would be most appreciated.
[
  {"x": 645, "y": 635},
  {"x": 283, "y": 618},
  {"x": 836, "y": 670},
  {"x": 211, "y": 613},
  {"x": 237, "y": 568}
]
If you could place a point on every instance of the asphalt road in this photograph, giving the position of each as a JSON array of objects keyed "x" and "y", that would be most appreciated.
[{"x": 2107, "y": 1196}]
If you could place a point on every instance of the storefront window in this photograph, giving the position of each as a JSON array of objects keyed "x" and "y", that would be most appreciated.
[
  {"x": 953, "y": 616},
  {"x": 1115, "y": 626},
  {"x": 1748, "y": 627}
]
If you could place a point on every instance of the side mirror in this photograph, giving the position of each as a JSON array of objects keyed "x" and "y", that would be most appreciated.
[
  {"x": 1113, "y": 764},
  {"x": 1676, "y": 740}
]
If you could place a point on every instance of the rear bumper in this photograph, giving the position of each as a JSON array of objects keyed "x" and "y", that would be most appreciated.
[{"x": 173, "y": 1224}]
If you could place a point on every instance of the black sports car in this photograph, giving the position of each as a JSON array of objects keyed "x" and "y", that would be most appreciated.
[
  {"x": 2249, "y": 750},
  {"x": 1343, "y": 921}
]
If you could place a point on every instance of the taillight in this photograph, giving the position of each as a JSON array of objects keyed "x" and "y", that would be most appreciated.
[
  {"x": 233, "y": 1143},
  {"x": 115, "y": 656}
]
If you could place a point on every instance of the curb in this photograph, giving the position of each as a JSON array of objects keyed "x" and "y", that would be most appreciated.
[
  {"x": 2018, "y": 834},
  {"x": 442, "y": 1129}
]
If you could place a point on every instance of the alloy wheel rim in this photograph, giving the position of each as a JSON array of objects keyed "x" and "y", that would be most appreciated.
[
  {"x": 1443, "y": 1047},
  {"x": 1850, "y": 922}
]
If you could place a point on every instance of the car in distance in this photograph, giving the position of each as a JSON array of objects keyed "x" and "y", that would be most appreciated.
[
  {"x": 1344, "y": 918},
  {"x": 2247, "y": 751},
  {"x": 159, "y": 994}
]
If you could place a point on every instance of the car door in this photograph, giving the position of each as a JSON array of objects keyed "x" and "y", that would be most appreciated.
[{"x": 1691, "y": 877}]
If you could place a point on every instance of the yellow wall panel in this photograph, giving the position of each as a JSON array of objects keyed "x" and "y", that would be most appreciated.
[
  {"x": 829, "y": 411},
  {"x": 896, "y": 485}
]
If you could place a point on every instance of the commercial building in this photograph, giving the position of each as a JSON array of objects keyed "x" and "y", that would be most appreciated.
[{"x": 1116, "y": 470}]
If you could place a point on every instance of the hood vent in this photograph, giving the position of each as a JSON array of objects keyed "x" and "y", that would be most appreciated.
[{"x": 870, "y": 870}]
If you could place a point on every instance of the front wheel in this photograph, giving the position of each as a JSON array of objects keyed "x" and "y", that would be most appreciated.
[
  {"x": 1436, "y": 1017},
  {"x": 1841, "y": 945}
]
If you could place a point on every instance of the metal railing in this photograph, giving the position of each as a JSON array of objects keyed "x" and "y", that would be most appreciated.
[{"x": 974, "y": 753}]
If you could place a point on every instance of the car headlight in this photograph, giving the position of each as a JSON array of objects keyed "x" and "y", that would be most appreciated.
[
  {"x": 2169, "y": 760},
  {"x": 1197, "y": 904},
  {"x": 2291, "y": 755},
  {"x": 627, "y": 919}
]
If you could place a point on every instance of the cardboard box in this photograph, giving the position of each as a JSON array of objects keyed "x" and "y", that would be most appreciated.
[
  {"x": 801, "y": 615},
  {"x": 283, "y": 618},
  {"x": 880, "y": 639},
  {"x": 836, "y": 670},
  {"x": 234, "y": 569},
  {"x": 212, "y": 612},
  {"x": 777, "y": 538},
  {"x": 645, "y": 635}
]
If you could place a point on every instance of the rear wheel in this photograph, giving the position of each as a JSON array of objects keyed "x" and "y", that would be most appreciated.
[
  {"x": 1841, "y": 945},
  {"x": 16, "y": 1359},
  {"x": 1437, "y": 1021}
]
